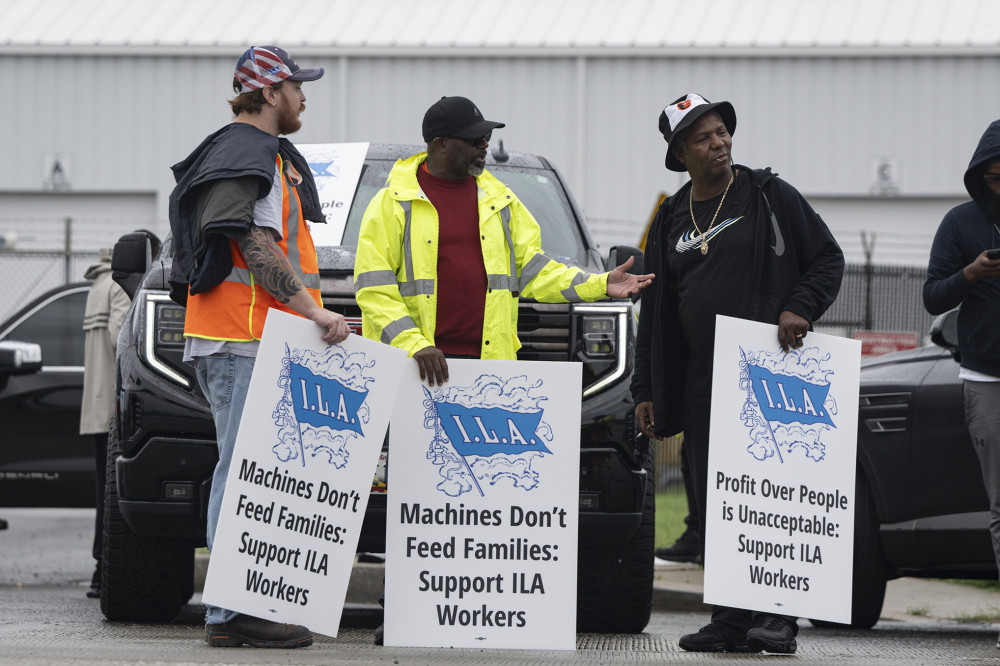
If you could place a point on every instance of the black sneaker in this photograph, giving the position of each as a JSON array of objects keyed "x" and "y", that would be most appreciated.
[
  {"x": 255, "y": 632},
  {"x": 773, "y": 633},
  {"x": 716, "y": 637},
  {"x": 379, "y": 633},
  {"x": 685, "y": 549}
]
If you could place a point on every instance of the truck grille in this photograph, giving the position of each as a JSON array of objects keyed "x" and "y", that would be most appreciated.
[{"x": 545, "y": 330}]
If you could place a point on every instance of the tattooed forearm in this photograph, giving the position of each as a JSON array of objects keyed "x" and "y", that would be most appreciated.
[{"x": 269, "y": 265}]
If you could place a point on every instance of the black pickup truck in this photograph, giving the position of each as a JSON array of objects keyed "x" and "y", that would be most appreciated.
[{"x": 162, "y": 451}]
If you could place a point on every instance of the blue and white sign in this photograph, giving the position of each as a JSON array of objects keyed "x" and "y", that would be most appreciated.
[
  {"x": 336, "y": 168},
  {"x": 305, "y": 456},
  {"x": 781, "y": 471},
  {"x": 483, "y": 500}
]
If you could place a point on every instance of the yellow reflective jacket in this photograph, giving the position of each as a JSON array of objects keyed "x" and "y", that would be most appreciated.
[{"x": 395, "y": 272}]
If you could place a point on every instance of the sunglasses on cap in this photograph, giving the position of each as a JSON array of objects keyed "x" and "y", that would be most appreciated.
[{"x": 478, "y": 141}]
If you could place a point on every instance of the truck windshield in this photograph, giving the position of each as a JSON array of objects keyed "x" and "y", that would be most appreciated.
[{"x": 538, "y": 190}]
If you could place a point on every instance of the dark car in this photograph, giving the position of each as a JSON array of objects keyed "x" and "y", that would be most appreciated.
[
  {"x": 162, "y": 450},
  {"x": 44, "y": 461},
  {"x": 921, "y": 507}
]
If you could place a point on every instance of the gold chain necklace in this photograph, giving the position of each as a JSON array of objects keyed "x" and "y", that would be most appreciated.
[{"x": 704, "y": 241}]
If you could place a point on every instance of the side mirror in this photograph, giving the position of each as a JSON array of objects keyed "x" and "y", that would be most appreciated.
[
  {"x": 619, "y": 254},
  {"x": 132, "y": 256},
  {"x": 18, "y": 358},
  {"x": 944, "y": 332}
]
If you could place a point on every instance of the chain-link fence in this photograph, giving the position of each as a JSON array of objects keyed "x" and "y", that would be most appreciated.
[
  {"x": 879, "y": 298},
  {"x": 40, "y": 254}
]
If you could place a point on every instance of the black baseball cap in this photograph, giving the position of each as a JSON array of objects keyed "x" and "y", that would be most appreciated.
[
  {"x": 681, "y": 114},
  {"x": 456, "y": 116}
]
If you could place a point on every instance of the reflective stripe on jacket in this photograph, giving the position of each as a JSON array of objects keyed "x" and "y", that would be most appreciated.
[
  {"x": 236, "y": 308},
  {"x": 395, "y": 271}
]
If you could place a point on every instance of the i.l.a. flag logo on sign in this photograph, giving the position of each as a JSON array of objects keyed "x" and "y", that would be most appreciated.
[
  {"x": 780, "y": 505},
  {"x": 789, "y": 398},
  {"x": 324, "y": 401},
  {"x": 485, "y": 432}
]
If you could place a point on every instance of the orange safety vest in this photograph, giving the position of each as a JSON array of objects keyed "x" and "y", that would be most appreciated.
[{"x": 235, "y": 308}]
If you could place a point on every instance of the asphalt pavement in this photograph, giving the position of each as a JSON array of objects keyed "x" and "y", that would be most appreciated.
[{"x": 45, "y": 619}]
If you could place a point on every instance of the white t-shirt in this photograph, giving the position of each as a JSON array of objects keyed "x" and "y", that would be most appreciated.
[{"x": 976, "y": 376}]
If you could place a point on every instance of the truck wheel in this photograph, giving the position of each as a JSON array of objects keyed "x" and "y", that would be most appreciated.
[
  {"x": 144, "y": 578},
  {"x": 614, "y": 590},
  {"x": 870, "y": 568}
]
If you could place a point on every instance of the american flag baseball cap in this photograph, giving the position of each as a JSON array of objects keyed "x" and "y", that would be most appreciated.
[{"x": 261, "y": 66}]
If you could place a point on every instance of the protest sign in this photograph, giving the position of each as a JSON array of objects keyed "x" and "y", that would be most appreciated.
[
  {"x": 781, "y": 468},
  {"x": 481, "y": 538},
  {"x": 298, "y": 486},
  {"x": 336, "y": 168}
]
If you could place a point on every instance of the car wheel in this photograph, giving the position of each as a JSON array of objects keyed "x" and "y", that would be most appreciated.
[
  {"x": 144, "y": 578},
  {"x": 870, "y": 569},
  {"x": 614, "y": 592}
]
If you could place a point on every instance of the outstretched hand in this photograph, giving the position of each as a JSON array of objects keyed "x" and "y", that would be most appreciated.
[{"x": 622, "y": 284}]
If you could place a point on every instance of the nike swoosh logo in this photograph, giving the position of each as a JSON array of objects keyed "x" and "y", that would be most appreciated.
[
  {"x": 690, "y": 240},
  {"x": 779, "y": 241}
]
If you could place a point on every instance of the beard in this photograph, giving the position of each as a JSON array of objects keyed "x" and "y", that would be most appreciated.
[
  {"x": 476, "y": 170},
  {"x": 288, "y": 119}
]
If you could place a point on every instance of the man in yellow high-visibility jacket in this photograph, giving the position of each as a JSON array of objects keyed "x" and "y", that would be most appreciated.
[{"x": 445, "y": 249}]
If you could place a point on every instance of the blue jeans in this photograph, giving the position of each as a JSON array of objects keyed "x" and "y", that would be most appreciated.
[{"x": 225, "y": 380}]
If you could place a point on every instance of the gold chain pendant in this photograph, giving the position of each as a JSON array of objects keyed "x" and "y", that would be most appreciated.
[{"x": 704, "y": 241}]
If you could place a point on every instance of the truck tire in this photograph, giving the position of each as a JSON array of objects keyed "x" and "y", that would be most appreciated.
[
  {"x": 144, "y": 578},
  {"x": 614, "y": 591},
  {"x": 870, "y": 569}
]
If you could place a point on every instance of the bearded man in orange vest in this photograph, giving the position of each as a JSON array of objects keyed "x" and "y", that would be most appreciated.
[{"x": 241, "y": 247}]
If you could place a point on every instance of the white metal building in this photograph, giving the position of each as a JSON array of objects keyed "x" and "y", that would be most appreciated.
[{"x": 872, "y": 108}]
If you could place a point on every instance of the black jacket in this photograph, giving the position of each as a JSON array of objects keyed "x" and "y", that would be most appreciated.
[
  {"x": 965, "y": 231},
  {"x": 798, "y": 266},
  {"x": 201, "y": 251}
]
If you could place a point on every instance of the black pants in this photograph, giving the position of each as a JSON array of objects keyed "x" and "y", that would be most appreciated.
[
  {"x": 691, "y": 520},
  {"x": 100, "y": 467}
]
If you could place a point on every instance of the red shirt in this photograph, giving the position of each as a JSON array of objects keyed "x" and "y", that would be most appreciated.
[{"x": 461, "y": 272}]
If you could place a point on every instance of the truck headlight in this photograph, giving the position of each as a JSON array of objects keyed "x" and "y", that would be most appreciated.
[
  {"x": 164, "y": 331},
  {"x": 602, "y": 331},
  {"x": 599, "y": 338}
]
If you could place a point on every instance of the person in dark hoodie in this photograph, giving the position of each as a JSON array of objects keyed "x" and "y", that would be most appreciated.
[
  {"x": 238, "y": 218},
  {"x": 963, "y": 270},
  {"x": 733, "y": 241}
]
